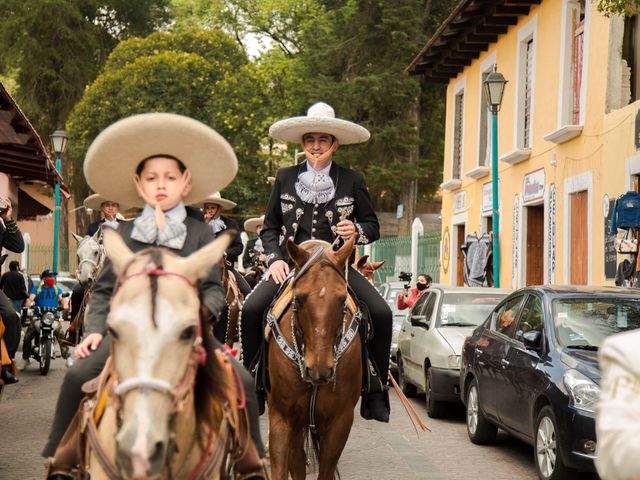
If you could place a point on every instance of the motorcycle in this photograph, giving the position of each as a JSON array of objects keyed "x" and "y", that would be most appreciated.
[{"x": 40, "y": 335}]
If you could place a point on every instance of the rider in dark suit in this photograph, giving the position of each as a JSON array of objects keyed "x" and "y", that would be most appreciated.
[
  {"x": 11, "y": 239},
  {"x": 319, "y": 199},
  {"x": 108, "y": 211}
]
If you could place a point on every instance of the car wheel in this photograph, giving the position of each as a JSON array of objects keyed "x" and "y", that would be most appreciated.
[
  {"x": 435, "y": 409},
  {"x": 480, "y": 430},
  {"x": 407, "y": 388},
  {"x": 546, "y": 447}
]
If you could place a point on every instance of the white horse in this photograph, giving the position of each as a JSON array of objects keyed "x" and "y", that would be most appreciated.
[{"x": 90, "y": 256}]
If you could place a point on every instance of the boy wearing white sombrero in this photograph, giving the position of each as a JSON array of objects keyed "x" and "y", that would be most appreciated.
[
  {"x": 319, "y": 199},
  {"x": 254, "y": 259},
  {"x": 160, "y": 162}
]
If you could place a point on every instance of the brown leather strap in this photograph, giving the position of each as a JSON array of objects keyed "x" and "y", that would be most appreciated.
[{"x": 94, "y": 442}]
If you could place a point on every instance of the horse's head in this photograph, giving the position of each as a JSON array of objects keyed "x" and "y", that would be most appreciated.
[
  {"x": 157, "y": 346},
  {"x": 367, "y": 268},
  {"x": 90, "y": 257},
  {"x": 319, "y": 306}
]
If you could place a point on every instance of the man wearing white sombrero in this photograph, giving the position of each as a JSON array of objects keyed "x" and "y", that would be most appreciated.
[
  {"x": 212, "y": 208},
  {"x": 108, "y": 211},
  {"x": 254, "y": 251},
  {"x": 319, "y": 199},
  {"x": 254, "y": 259}
]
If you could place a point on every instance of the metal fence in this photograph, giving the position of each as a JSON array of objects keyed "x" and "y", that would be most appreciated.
[
  {"x": 396, "y": 252},
  {"x": 40, "y": 257}
]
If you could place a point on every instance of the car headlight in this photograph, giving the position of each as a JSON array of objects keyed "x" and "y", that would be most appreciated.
[
  {"x": 453, "y": 361},
  {"x": 583, "y": 391}
]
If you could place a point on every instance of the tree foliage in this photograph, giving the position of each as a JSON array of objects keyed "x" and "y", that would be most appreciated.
[
  {"x": 56, "y": 47},
  {"x": 197, "y": 73},
  {"x": 618, "y": 7}
]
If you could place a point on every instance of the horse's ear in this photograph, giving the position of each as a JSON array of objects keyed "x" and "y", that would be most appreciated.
[
  {"x": 377, "y": 265},
  {"x": 342, "y": 255},
  {"x": 117, "y": 251},
  {"x": 96, "y": 236},
  {"x": 361, "y": 261},
  {"x": 199, "y": 263},
  {"x": 298, "y": 255},
  {"x": 77, "y": 237}
]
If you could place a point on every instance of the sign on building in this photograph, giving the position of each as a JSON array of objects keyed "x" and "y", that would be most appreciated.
[{"x": 533, "y": 188}]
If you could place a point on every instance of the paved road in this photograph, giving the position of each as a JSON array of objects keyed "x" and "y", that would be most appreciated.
[{"x": 374, "y": 451}]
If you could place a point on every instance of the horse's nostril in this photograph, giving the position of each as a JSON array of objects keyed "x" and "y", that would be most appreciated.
[{"x": 157, "y": 455}]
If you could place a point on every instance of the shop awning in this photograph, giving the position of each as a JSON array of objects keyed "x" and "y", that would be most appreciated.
[
  {"x": 22, "y": 152},
  {"x": 30, "y": 208}
]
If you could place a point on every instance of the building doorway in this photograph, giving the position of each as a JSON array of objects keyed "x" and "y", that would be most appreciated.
[
  {"x": 579, "y": 242},
  {"x": 460, "y": 239},
  {"x": 534, "y": 251}
]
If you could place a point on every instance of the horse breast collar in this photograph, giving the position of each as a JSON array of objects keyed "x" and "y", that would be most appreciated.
[{"x": 286, "y": 297}]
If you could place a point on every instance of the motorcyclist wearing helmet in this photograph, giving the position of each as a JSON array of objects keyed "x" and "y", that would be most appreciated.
[{"x": 46, "y": 296}]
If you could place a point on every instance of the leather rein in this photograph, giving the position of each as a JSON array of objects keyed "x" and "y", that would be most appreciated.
[{"x": 210, "y": 460}]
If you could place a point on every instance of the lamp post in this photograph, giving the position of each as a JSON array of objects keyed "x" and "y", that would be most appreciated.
[
  {"x": 494, "y": 88},
  {"x": 59, "y": 145}
]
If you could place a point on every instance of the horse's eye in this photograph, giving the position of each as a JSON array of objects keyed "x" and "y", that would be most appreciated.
[
  {"x": 95, "y": 254},
  {"x": 113, "y": 333},
  {"x": 188, "y": 333}
]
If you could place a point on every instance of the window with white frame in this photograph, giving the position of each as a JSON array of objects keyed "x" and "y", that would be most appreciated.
[
  {"x": 572, "y": 58},
  {"x": 577, "y": 44},
  {"x": 484, "y": 140},
  {"x": 525, "y": 84},
  {"x": 458, "y": 118}
]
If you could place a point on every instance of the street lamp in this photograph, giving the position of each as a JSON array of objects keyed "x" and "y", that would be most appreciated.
[
  {"x": 494, "y": 89},
  {"x": 59, "y": 145}
]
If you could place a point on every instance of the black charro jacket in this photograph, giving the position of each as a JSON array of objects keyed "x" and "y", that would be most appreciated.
[
  {"x": 10, "y": 237},
  {"x": 211, "y": 292},
  {"x": 287, "y": 216}
]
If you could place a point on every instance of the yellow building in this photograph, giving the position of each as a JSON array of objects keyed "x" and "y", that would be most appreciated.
[{"x": 568, "y": 134}]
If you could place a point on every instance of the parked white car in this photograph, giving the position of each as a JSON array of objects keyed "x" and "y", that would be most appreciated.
[{"x": 431, "y": 337}]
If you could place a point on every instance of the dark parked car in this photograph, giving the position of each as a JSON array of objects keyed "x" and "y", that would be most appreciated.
[{"x": 532, "y": 369}]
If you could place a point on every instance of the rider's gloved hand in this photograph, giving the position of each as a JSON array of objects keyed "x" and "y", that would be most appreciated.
[
  {"x": 278, "y": 270},
  {"x": 88, "y": 345}
]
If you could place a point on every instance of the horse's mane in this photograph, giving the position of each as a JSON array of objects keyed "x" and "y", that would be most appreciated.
[{"x": 210, "y": 385}]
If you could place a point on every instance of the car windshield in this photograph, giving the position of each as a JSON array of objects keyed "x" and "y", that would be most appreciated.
[
  {"x": 467, "y": 309},
  {"x": 392, "y": 301},
  {"x": 584, "y": 323}
]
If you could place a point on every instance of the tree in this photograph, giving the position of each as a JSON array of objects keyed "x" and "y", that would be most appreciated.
[
  {"x": 618, "y": 7},
  {"x": 58, "y": 46},
  {"x": 197, "y": 73},
  {"x": 353, "y": 54}
]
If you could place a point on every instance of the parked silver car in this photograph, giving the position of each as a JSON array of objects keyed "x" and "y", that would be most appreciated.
[{"x": 431, "y": 337}]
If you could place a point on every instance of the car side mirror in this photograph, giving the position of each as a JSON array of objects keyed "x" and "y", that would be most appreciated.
[
  {"x": 532, "y": 340},
  {"x": 419, "y": 321}
]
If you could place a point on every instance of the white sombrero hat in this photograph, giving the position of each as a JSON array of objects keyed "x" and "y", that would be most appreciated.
[
  {"x": 320, "y": 118},
  {"x": 117, "y": 151},
  {"x": 218, "y": 200},
  {"x": 251, "y": 224},
  {"x": 95, "y": 201}
]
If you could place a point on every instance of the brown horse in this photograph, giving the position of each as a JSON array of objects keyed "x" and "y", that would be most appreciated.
[
  {"x": 315, "y": 389},
  {"x": 367, "y": 268},
  {"x": 234, "y": 299}
]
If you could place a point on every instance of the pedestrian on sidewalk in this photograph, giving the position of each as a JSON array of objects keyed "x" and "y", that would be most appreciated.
[
  {"x": 11, "y": 239},
  {"x": 13, "y": 285}
]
